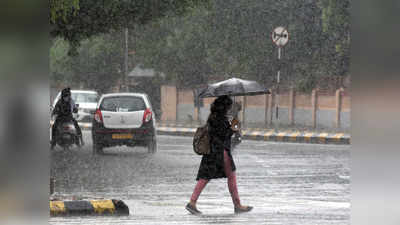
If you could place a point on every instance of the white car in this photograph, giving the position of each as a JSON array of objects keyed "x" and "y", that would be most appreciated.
[
  {"x": 124, "y": 119},
  {"x": 87, "y": 101}
]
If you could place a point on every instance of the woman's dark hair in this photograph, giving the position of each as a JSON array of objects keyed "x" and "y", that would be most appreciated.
[{"x": 221, "y": 105}]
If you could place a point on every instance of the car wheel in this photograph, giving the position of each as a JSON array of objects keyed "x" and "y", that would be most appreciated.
[{"x": 152, "y": 146}]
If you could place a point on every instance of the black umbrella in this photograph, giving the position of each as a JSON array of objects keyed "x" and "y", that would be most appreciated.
[{"x": 233, "y": 87}]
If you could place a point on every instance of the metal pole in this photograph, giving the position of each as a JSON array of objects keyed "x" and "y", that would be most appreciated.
[
  {"x": 126, "y": 60},
  {"x": 277, "y": 83},
  {"x": 234, "y": 110}
]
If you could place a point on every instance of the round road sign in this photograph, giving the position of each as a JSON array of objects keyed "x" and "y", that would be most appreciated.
[{"x": 280, "y": 36}]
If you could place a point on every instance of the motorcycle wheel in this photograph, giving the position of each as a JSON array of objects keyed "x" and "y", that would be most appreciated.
[{"x": 78, "y": 143}]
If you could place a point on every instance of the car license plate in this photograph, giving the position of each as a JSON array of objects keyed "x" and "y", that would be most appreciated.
[{"x": 122, "y": 136}]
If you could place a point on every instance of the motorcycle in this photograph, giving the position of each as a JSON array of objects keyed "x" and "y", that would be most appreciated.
[{"x": 67, "y": 135}]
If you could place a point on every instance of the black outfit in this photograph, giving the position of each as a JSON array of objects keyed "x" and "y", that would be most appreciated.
[
  {"x": 63, "y": 110},
  {"x": 220, "y": 132}
]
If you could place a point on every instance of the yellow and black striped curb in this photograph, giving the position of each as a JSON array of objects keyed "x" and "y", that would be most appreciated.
[
  {"x": 295, "y": 137},
  {"x": 88, "y": 207}
]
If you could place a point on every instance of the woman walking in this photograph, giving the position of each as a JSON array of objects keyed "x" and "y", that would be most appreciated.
[{"x": 219, "y": 163}]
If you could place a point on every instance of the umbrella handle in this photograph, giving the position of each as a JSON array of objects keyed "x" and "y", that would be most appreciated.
[{"x": 235, "y": 124}]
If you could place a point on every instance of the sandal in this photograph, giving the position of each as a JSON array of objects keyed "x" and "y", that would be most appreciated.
[
  {"x": 243, "y": 210},
  {"x": 192, "y": 210}
]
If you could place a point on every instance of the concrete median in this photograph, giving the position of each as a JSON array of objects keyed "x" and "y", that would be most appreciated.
[
  {"x": 88, "y": 207},
  {"x": 270, "y": 135},
  {"x": 258, "y": 134}
]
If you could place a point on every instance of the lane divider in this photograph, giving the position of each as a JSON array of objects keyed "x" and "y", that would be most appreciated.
[
  {"x": 89, "y": 207},
  {"x": 256, "y": 134},
  {"x": 337, "y": 138},
  {"x": 280, "y": 136},
  {"x": 308, "y": 137},
  {"x": 268, "y": 136},
  {"x": 295, "y": 136},
  {"x": 322, "y": 138}
]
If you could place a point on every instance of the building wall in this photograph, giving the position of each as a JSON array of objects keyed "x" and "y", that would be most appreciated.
[
  {"x": 185, "y": 112},
  {"x": 179, "y": 106},
  {"x": 168, "y": 103}
]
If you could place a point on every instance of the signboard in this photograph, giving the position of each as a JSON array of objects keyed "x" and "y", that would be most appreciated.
[{"x": 280, "y": 36}]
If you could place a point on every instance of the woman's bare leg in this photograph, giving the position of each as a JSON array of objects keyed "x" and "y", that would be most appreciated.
[
  {"x": 197, "y": 191},
  {"x": 232, "y": 185}
]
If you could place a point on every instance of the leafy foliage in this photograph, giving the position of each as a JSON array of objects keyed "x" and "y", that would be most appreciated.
[
  {"x": 59, "y": 9},
  {"x": 98, "y": 64},
  {"x": 217, "y": 40},
  {"x": 232, "y": 38},
  {"x": 77, "y": 20}
]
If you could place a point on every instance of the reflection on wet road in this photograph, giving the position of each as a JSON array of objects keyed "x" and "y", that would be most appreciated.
[{"x": 286, "y": 183}]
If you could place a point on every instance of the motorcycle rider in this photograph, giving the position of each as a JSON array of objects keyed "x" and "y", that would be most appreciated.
[{"x": 63, "y": 109}]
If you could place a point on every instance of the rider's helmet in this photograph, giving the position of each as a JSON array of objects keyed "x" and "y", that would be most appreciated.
[{"x": 66, "y": 94}]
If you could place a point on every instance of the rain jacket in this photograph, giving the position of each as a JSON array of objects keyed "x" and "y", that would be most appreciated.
[
  {"x": 64, "y": 109},
  {"x": 212, "y": 165}
]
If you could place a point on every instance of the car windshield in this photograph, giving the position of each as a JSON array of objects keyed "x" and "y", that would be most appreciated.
[
  {"x": 123, "y": 104},
  {"x": 84, "y": 97}
]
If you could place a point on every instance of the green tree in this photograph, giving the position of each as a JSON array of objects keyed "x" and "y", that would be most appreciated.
[
  {"x": 76, "y": 20},
  {"x": 232, "y": 38},
  {"x": 336, "y": 29},
  {"x": 97, "y": 65},
  {"x": 59, "y": 9},
  {"x": 59, "y": 62}
]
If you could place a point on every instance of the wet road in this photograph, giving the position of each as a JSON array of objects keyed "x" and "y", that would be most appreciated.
[{"x": 286, "y": 183}]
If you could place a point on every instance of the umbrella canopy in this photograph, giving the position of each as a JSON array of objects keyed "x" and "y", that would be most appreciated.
[{"x": 233, "y": 87}]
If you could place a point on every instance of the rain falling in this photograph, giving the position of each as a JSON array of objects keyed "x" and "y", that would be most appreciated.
[{"x": 133, "y": 84}]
